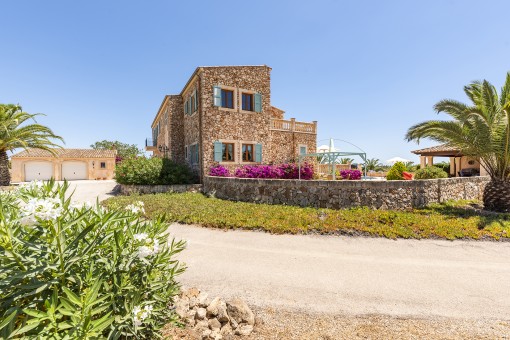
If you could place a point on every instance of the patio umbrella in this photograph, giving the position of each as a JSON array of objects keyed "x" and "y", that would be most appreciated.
[{"x": 394, "y": 160}]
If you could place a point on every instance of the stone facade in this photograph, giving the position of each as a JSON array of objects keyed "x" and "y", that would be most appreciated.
[
  {"x": 386, "y": 195},
  {"x": 183, "y": 130}
]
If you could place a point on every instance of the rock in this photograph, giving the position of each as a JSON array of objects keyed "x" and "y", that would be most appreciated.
[
  {"x": 202, "y": 325},
  {"x": 203, "y": 299},
  {"x": 193, "y": 301},
  {"x": 212, "y": 309},
  {"x": 222, "y": 312},
  {"x": 226, "y": 329},
  {"x": 206, "y": 333},
  {"x": 190, "y": 317},
  {"x": 201, "y": 313},
  {"x": 192, "y": 292},
  {"x": 244, "y": 330},
  {"x": 239, "y": 311},
  {"x": 214, "y": 324},
  {"x": 215, "y": 335}
]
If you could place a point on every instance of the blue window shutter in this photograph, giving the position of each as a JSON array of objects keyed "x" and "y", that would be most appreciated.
[
  {"x": 196, "y": 100},
  {"x": 197, "y": 157},
  {"x": 257, "y": 98},
  {"x": 217, "y": 151},
  {"x": 258, "y": 153},
  {"x": 186, "y": 107},
  {"x": 217, "y": 95}
]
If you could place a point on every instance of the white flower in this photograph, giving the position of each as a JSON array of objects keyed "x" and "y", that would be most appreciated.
[
  {"x": 140, "y": 237},
  {"x": 45, "y": 209},
  {"x": 149, "y": 248},
  {"x": 136, "y": 208},
  {"x": 139, "y": 314}
]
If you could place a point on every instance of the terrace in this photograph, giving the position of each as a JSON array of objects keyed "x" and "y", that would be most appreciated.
[{"x": 293, "y": 126}]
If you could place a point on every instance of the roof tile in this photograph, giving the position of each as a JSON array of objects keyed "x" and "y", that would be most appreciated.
[{"x": 67, "y": 153}]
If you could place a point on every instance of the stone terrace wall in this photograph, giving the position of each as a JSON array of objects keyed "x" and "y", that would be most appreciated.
[
  {"x": 391, "y": 195},
  {"x": 125, "y": 189}
]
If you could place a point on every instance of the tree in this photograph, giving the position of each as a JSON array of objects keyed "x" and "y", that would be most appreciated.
[
  {"x": 15, "y": 136},
  {"x": 346, "y": 160},
  {"x": 480, "y": 130},
  {"x": 123, "y": 150},
  {"x": 371, "y": 164}
]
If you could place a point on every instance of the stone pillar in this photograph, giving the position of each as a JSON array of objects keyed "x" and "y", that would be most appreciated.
[
  {"x": 430, "y": 160},
  {"x": 423, "y": 162},
  {"x": 292, "y": 124},
  {"x": 457, "y": 165},
  {"x": 452, "y": 166}
]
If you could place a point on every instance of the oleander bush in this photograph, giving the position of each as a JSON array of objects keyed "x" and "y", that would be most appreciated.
[
  {"x": 82, "y": 271},
  {"x": 396, "y": 172},
  {"x": 430, "y": 172},
  {"x": 153, "y": 171}
]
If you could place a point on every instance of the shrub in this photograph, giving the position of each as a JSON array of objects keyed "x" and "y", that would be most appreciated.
[
  {"x": 82, "y": 272},
  {"x": 430, "y": 172},
  {"x": 219, "y": 171},
  {"x": 396, "y": 172},
  {"x": 445, "y": 166},
  {"x": 350, "y": 174},
  {"x": 153, "y": 171}
]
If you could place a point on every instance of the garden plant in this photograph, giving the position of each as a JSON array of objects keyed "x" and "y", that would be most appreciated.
[
  {"x": 153, "y": 171},
  {"x": 78, "y": 271},
  {"x": 430, "y": 172},
  {"x": 480, "y": 130},
  {"x": 14, "y": 135}
]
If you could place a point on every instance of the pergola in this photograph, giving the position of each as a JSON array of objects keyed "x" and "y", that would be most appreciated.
[{"x": 331, "y": 158}]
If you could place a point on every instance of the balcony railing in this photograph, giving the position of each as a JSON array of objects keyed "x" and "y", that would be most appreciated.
[
  {"x": 150, "y": 143},
  {"x": 293, "y": 126}
]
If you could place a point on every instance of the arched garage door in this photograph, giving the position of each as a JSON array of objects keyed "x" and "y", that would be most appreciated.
[
  {"x": 38, "y": 171},
  {"x": 74, "y": 170}
]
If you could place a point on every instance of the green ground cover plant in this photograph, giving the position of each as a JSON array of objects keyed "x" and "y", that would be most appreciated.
[
  {"x": 452, "y": 220},
  {"x": 71, "y": 271}
]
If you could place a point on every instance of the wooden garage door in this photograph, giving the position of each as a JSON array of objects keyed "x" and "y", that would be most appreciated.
[
  {"x": 72, "y": 170},
  {"x": 38, "y": 171}
]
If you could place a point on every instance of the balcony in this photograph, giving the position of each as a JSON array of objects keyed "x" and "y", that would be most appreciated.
[
  {"x": 293, "y": 126},
  {"x": 151, "y": 145}
]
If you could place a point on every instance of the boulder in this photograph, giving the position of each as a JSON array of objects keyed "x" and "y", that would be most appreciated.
[
  {"x": 239, "y": 311},
  {"x": 214, "y": 324},
  {"x": 212, "y": 309},
  {"x": 244, "y": 330},
  {"x": 201, "y": 313}
]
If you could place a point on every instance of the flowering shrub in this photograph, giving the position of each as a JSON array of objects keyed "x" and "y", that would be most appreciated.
[
  {"x": 81, "y": 271},
  {"x": 219, "y": 171},
  {"x": 282, "y": 171},
  {"x": 350, "y": 174},
  {"x": 396, "y": 172}
]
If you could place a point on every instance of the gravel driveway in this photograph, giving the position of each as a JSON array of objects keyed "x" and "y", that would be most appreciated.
[
  {"x": 89, "y": 191},
  {"x": 441, "y": 284}
]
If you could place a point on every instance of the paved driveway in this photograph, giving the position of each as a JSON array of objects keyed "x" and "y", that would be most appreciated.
[
  {"x": 91, "y": 190},
  {"x": 351, "y": 275}
]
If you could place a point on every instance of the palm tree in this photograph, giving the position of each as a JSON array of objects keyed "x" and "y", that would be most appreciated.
[
  {"x": 14, "y": 136},
  {"x": 480, "y": 130},
  {"x": 346, "y": 160},
  {"x": 371, "y": 163}
]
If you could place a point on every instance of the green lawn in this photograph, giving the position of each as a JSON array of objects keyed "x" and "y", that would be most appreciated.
[{"x": 452, "y": 220}]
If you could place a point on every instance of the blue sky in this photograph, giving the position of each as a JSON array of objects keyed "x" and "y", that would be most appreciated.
[{"x": 365, "y": 70}]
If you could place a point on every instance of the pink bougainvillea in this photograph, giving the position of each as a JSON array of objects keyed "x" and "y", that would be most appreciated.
[
  {"x": 219, "y": 171},
  {"x": 281, "y": 171},
  {"x": 350, "y": 174}
]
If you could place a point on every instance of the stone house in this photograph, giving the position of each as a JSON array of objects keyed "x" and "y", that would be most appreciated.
[
  {"x": 69, "y": 164},
  {"x": 224, "y": 115}
]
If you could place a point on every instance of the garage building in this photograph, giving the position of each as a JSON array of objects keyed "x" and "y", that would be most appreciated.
[{"x": 69, "y": 164}]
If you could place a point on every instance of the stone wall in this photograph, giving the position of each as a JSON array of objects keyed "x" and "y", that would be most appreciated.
[
  {"x": 125, "y": 189},
  {"x": 284, "y": 145},
  {"x": 390, "y": 195}
]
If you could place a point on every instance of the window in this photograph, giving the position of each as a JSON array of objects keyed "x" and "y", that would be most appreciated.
[
  {"x": 103, "y": 165},
  {"x": 247, "y": 101},
  {"x": 186, "y": 152},
  {"x": 302, "y": 149},
  {"x": 193, "y": 154},
  {"x": 227, "y": 98},
  {"x": 227, "y": 152},
  {"x": 247, "y": 152},
  {"x": 193, "y": 103}
]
